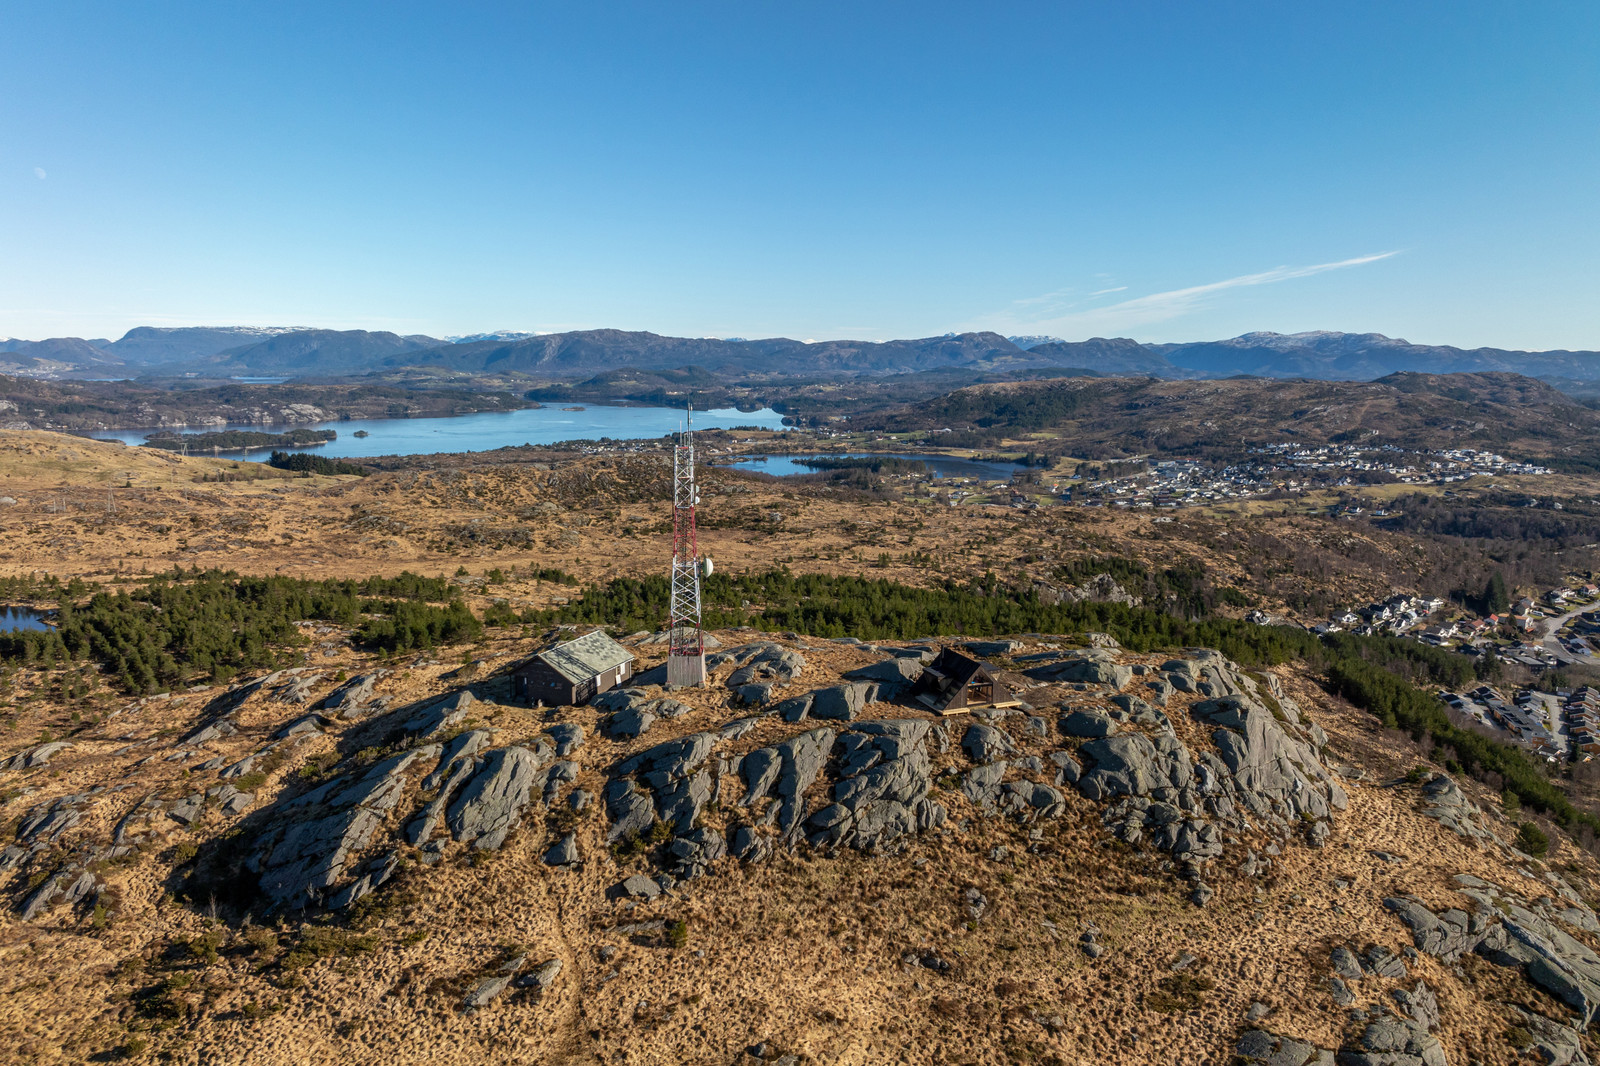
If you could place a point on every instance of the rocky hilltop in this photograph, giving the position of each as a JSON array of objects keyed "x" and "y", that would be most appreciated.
[{"x": 1146, "y": 858}]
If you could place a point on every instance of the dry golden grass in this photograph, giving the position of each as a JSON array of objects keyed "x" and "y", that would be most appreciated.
[{"x": 803, "y": 952}]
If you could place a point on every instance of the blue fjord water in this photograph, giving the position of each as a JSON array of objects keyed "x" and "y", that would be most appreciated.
[{"x": 488, "y": 430}]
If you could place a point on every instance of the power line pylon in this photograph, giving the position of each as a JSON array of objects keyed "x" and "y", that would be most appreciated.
[{"x": 686, "y": 643}]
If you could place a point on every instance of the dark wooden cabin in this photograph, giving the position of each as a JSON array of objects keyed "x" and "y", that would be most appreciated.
[
  {"x": 573, "y": 672},
  {"x": 956, "y": 682}
]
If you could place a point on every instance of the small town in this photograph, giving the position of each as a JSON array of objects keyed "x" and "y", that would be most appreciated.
[
  {"x": 1292, "y": 469},
  {"x": 1556, "y": 631}
]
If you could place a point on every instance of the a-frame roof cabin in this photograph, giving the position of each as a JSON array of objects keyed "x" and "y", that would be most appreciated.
[{"x": 956, "y": 682}]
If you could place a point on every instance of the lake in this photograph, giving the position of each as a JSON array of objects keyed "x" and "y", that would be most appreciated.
[
  {"x": 941, "y": 466},
  {"x": 13, "y": 619},
  {"x": 488, "y": 430}
]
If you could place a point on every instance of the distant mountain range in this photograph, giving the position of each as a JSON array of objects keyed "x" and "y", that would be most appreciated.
[{"x": 236, "y": 351}]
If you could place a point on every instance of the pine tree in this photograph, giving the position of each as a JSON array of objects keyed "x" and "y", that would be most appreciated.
[{"x": 1496, "y": 600}]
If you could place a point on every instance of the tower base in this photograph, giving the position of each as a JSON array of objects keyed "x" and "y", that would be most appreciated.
[{"x": 686, "y": 671}]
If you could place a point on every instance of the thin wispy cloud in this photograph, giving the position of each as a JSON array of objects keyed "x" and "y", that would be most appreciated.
[{"x": 1062, "y": 313}]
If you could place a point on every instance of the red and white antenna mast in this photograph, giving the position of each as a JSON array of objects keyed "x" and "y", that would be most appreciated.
[{"x": 686, "y": 647}]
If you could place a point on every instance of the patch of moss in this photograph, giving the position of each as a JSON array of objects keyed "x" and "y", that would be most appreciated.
[{"x": 1180, "y": 992}]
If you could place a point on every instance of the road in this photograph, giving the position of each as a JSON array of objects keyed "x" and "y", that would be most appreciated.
[{"x": 1555, "y": 625}]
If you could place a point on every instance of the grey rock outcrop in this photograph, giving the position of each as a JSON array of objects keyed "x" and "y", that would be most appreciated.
[
  {"x": 441, "y": 714},
  {"x": 1131, "y": 765},
  {"x": 882, "y": 794},
  {"x": 1508, "y": 931},
  {"x": 348, "y": 700},
  {"x": 795, "y": 709},
  {"x": 989, "y": 649},
  {"x": 1444, "y": 802},
  {"x": 1096, "y": 666},
  {"x": 1392, "y": 1041},
  {"x": 634, "y": 711},
  {"x": 892, "y": 676},
  {"x": 1087, "y": 723},
  {"x": 1258, "y": 1047},
  {"x": 491, "y": 803},
  {"x": 786, "y": 770},
  {"x": 982, "y": 784},
  {"x": 36, "y": 756},
  {"x": 1556, "y": 1044},
  {"x": 487, "y": 991},
  {"x": 760, "y": 663},
  {"x": 306, "y": 852},
  {"x": 841, "y": 703}
]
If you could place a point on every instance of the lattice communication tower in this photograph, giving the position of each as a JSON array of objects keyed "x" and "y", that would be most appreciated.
[{"x": 686, "y": 648}]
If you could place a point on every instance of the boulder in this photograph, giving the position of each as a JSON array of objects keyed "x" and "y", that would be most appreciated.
[
  {"x": 628, "y": 723},
  {"x": 989, "y": 649},
  {"x": 567, "y": 738},
  {"x": 693, "y": 852},
  {"x": 1346, "y": 964},
  {"x": 796, "y": 709},
  {"x": 543, "y": 976},
  {"x": 754, "y": 695},
  {"x": 841, "y": 702},
  {"x": 1087, "y": 723},
  {"x": 981, "y": 785},
  {"x": 640, "y": 887},
  {"x": 486, "y": 991},
  {"x": 1068, "y": 770},
  {"x": 985, "y": 743},
  {"x": 564, "y": 852},
  {"x": 893, "y": 676},
  {"x": 188, "y": 810}
]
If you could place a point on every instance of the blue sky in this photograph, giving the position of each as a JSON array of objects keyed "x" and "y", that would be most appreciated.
[{"x": 1166, "y": 171}]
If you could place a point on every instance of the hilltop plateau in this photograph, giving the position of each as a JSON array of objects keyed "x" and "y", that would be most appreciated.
[{"x": 1156, "y": 857}]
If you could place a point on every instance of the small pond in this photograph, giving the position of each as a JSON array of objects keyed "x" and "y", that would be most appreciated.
[{"x": 15, "y": 619}]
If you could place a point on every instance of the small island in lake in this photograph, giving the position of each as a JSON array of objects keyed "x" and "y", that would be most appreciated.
[{"x": 233, "y": 440}]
